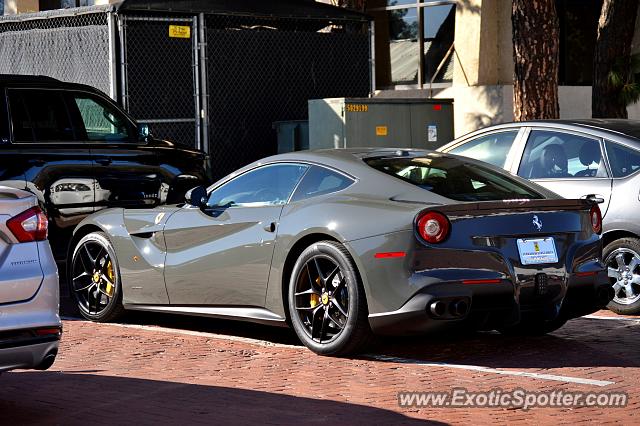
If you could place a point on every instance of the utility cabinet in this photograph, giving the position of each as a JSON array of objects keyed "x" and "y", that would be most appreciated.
[{"x": 380, "y": 122}]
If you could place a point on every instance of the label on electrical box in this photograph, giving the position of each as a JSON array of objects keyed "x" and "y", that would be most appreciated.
[
  {"x": 432, "y": 133},
  {"x": 356, "y": 107},
  {"x": 179, "y": 31},
  {"x": 381, "y": 131}
]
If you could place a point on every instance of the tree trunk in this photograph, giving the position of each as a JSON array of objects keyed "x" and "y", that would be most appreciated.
[
  {"x": 536, "y": 56},
  {"x": 613, "y": 50}
]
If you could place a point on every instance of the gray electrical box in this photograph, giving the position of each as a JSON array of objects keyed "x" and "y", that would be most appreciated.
[{"x": 380, "y": 122}]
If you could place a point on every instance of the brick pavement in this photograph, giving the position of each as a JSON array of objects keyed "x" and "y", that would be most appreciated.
[{"x": 221, "y": 372}]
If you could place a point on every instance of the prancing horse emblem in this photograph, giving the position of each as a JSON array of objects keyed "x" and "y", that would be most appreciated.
[{"x": 537, "y": 223}]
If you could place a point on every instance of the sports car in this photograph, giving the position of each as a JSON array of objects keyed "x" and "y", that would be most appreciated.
[{"x": 345, "y": 244}]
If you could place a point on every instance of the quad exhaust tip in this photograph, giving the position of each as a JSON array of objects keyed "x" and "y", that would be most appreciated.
[
  {"x": 456, "y": 308},
  {"x": 459, "y": 308},
  {"x": 438, "y": 308}
]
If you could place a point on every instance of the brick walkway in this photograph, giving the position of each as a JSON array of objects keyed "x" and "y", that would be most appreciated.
[{"x": 178, "y": 370}]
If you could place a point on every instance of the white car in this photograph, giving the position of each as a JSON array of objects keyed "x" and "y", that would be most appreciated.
[{"x": 30, "y": 326}]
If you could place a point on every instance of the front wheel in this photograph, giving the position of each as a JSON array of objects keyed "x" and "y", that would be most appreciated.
[
  {"x": 327, "y": 302},
  {"x": 95, "y": 279},
  {"x": 622, "y": 258}
]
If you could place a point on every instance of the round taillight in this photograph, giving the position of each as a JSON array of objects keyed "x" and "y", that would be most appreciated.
[
  {"x": 433, "y": 227},
  {"x": 596, "y": 218}
]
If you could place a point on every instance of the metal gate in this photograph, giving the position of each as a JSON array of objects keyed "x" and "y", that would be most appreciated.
[{"x": 160, "y": 75}]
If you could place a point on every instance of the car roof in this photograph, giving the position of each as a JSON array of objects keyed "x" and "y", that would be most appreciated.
[
  {"x": 41, "y": 81},
  {"x": 629, "y": 129}
]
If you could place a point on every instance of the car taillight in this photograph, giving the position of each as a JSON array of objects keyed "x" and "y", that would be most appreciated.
[
  {"x": 433, "y": 227},
  {"x": 30, "y": 225},
  {"x": 596, "y": 218}
]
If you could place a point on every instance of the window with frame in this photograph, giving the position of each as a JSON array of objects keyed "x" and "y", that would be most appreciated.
[
  {"x": 552, "y": 154},
  {"x": 492, "y": 148},
  {"x": 414, "y": 42},
  {"x": 623, "y": 160},
  {"x": 320, "y": 181},
  {"x": 101, "y": 121},
  {"x": 39, "y": 115},
  {"x": 269, "y": 185}
]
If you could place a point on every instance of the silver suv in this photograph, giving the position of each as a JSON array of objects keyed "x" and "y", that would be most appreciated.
[{"x": 30, "y": 326}]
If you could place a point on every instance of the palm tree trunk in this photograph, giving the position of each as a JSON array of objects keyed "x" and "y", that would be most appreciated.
[
  {"x": 613, "y": 50},
  {"x": 535, "y": 29}
]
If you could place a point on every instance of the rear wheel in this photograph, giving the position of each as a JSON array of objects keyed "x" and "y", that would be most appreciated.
[
  {"x": 622, "y": 258},
  {"x": 95, "y": 279},
  {"x": 327, "y": 302}
]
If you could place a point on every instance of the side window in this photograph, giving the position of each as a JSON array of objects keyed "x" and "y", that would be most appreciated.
[
  {"x": 552, "y": 154},
  {"x": 623, "y": 161},
  {"x": 493, "y": 148},
  {"x": 268, "y": 185},
  {"x": 320, "y": 181},
  {"x": 39, "y": 115},
  {"x": 101, "y": 121}
]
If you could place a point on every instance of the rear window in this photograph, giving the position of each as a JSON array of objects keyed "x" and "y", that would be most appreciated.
[
  {"x": 454, "y": 179},
  {"x": 623, "y": 161}
]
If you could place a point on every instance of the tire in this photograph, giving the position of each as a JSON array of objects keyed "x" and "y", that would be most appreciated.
[
  {"x": 318, "y": 313},
  {"x": 88, "y": 293},
  {"x": 627, "y": 279},
  {"x": 533, "y": 328}
]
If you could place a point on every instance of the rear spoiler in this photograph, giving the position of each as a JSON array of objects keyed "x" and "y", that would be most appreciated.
[{"x": 520, "y": 205}]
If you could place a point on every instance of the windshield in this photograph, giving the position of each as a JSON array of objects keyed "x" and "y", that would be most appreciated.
[{"x": 453, "y": 178}]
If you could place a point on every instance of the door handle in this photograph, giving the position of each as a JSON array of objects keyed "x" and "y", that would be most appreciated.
[
  {"x": 596, "y": 198},
  {"x": 104, "y": 161},
  {"x": 270, "y": 227}
]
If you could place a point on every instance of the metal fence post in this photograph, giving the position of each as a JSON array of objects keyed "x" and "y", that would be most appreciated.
[
  {"x": 196, "y": 82},
  {"x": 372, "y": 57},
  {"x": 123, "y": 60},
  {"x": 204, "y": 95},
  {"x": 113, "y": 73}
]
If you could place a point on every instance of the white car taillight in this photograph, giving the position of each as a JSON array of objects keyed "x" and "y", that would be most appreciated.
[{"x": 30, "y": 225}]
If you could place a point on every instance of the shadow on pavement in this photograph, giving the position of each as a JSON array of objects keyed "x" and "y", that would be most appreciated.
[
  {"x": 35, "y": 398},
  {"x": 582, "y": 342}
]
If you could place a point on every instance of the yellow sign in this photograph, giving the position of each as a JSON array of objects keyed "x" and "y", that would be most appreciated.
[
  {"x": 381, "y": 131},
  {"x": 356, "y": 108},
  {"x": 179, "y": 31}
]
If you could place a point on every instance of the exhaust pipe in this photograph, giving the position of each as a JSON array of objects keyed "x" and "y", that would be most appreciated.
[
  {"x": 459, "y": 308},
  {"x": 47, "y": 361},
  {"x": 438, "y": 308},
  {"x": 605, "y": 294}
]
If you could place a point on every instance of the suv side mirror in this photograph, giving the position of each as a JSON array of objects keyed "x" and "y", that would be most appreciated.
[
  {"x": 143, "y": 131},
  {"x": 197, "y": 197}
]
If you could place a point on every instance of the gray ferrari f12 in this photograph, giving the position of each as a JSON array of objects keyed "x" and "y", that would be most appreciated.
[{"x": 345, "y": 244}]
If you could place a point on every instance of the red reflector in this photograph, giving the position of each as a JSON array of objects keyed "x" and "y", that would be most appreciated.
[
  {"x": 495, "y": 281},
  {"x": 47, "y": 331},
  {"x": 437, "y": 107},
  {"x": 586, "y": 274},
  {"x": 390, "y": 254}
]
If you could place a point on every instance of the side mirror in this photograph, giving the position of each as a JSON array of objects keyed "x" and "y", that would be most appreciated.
[
  {"x": 197, "y": 196},
  {"x": 143, "y": 131}
]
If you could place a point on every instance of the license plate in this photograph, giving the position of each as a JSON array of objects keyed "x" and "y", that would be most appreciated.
[{"x": 537, "y": 251}]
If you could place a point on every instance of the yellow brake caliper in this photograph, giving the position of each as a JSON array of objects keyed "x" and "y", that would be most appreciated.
[{"x": 111, "y": 279}]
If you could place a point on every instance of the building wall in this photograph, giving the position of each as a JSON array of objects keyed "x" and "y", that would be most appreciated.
[{"x": 482, "y": 87}]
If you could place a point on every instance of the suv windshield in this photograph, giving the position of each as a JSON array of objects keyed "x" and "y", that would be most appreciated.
[{"x": 453, "y": 178}]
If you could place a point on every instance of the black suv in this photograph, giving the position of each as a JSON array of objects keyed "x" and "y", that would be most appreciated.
[{"x": 79, "y": 152}]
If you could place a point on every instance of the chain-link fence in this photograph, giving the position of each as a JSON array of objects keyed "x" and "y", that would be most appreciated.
[
  {"x": 161, "y": 76},
  {"x": 65, "y": 46},
  {"x": 263, "y": 71}
]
